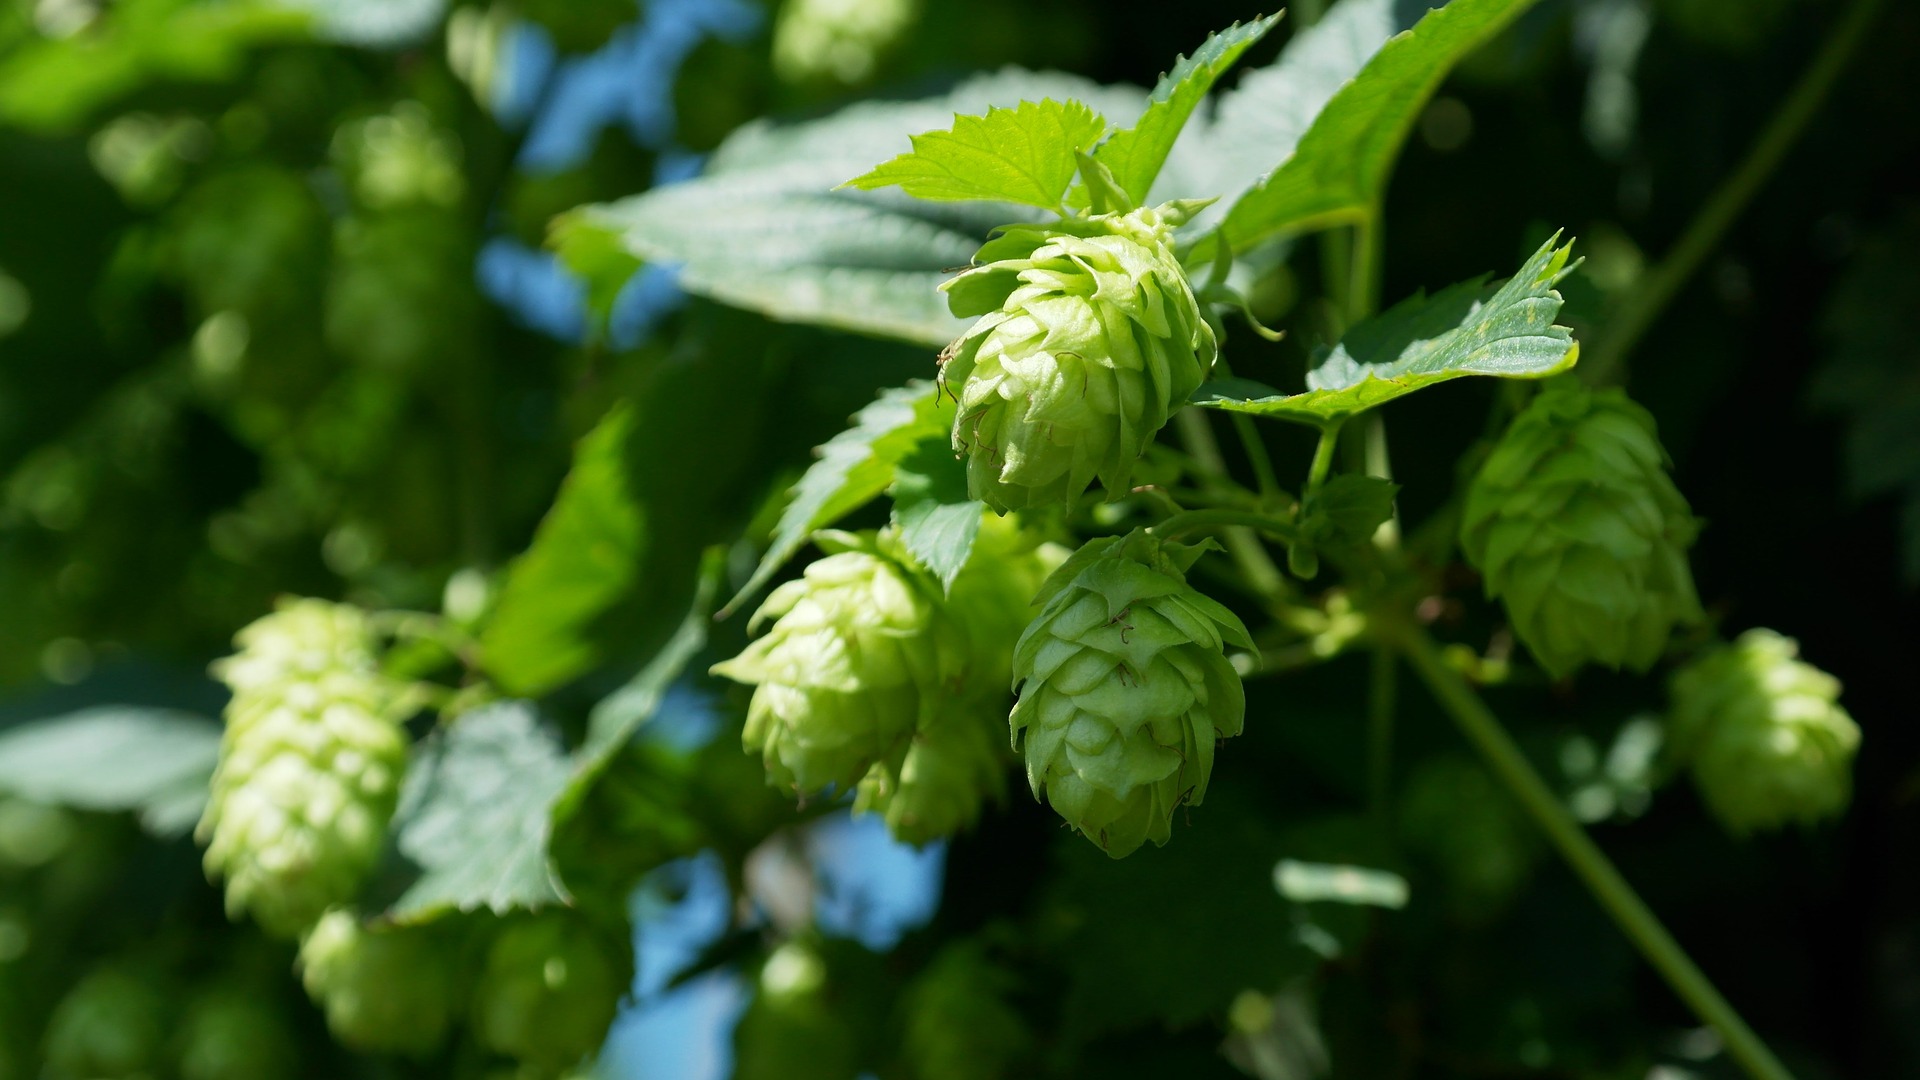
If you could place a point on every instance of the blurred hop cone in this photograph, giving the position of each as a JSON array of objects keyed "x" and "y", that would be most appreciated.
[
  {"x": 384, "y": 989},
  {"x": 1124, "y": 689},
  {"x": 234, "y": 1033},
  {"x": 1579, "y": 530},
  {"x": 1764, "y": 734},
  {"x": 112, "y": 1024},
  {"x": 309, "y": 767},
  {"x": 959, "y": 1024},
  {"x": 549, "y": 990},
  {"x": 935, "y": 785},
  {"x": 860, "y": 652},
  {"x": 1089, "y": 337}
]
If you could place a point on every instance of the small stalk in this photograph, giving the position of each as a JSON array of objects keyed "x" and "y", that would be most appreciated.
[
  {"x": 1256, "y": 566},
  {"x": 1641, "y": 926}
]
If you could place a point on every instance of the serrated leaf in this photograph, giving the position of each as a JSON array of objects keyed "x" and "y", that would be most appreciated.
[
  {"x": 763, "y": 229},
  {"x": 1466, "y": 329},
  {"x": 154, "y": 762},
  {"x": 1350, "y": 508},
  {"x": 1136, "y": 154},
  {"x": 1339, "y": 169},
  {"x": 475, "y": 815},
  {"x": 855, "y": 466},
  {"x": 584, "y": 557},
  {"x": 1018, "y": 155},
  {"x": 937, "y": 521}
]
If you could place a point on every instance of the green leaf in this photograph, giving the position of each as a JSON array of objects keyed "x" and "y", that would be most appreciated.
[
  {"x": 613, "y": 721},
  {"x": 475, "y": 815},
  {"x": 1349, "y": 509},
  {"x": 154, "y": 762},
  {"x": 764, "y": 229},
  {"x": 1019, "y": 155},
  {"x": 1340, "y": 167},
  {"x": 937, "y": 521},
  {"x": 1465, "y": 329},
  {"x": 593, "y": 253},
  {"x": 855, "y": 466},
  {"x": 584, "y": 557},
  {"x": 1136, "y": 154}
]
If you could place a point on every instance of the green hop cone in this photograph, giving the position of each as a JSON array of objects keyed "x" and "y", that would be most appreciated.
[
  {"x": 384, "y": 989},
  {"x": 1764, "y": 734},
  {"x": 1579, "y": 530},
  {"x": 309, "y": 767},
  {"x": 111, "y": 1025},
  {"x": 1089, "y": 337},
  {"x": 1124, "y": 688},
  {"x": 936, "y": 784},
  {"x": 549, "y": 989},
  {"x": 858, "y": 654},
  {"x": 235, "y": 1034}
]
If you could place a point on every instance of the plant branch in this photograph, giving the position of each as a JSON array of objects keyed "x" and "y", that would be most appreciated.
[
  {"x": 1195, "y": 520},
  {"x": 1658, "y": 288},
  {"x": 1256, "y": 566},
  {"x": 1383, "y": 692},
  {"x": 1631, "y": 913}
]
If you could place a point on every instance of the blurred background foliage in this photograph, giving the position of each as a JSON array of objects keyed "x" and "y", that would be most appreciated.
[{"x": 276, "y": 316}]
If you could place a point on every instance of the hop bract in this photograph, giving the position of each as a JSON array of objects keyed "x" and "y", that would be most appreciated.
[
  {"x": 385, "y": 990},
  {"x": 1764, "y": 734},
  {"x": 1124, "y": 688},
  {"x": 1089, "y": 337},
  {"x": 549, "y": 990},
  {"x": 859, "y": 653},
  {"x": 309, "y": 768},
  {"x": 1579, "y": 530}
]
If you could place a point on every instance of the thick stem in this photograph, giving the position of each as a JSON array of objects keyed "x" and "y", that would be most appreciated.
[
  {"x": 1631, "y": 913},
  {"x": 1657, "y": 289}
]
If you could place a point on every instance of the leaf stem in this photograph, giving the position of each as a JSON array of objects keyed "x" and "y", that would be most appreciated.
[
  {"x": 1631, "y": 913},
  {"x": 1256, "y": 566},
  {"x": 1194, "y": 520},
  {"x": 1323, "y": 457},
  {"x": 1658, "y": 288},
  {"x": 1257, "y": 456}
]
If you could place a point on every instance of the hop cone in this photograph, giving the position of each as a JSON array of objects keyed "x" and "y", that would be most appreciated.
[
  {"x": 1089, "y": 337},
  {"x": 233, "y": 1034},
  {"x": 549, "y": 990},
  {"x": 1764, "y": 734},
  {"x": 955, "y": 761},
  {"x": 1580, "y": 532},
  {"x": 794, "y": 1029},
  {"x": 112, "y": 1024},
  {"x": 1124, "y": 688},
  {"x": 858, "y": 654},
  {"x": 384, "y": 990},
  {"x": 309, "y": 767}
]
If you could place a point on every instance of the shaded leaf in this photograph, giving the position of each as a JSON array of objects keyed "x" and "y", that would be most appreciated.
[
  {"x": 855, "y": 466},
  {"x": 1350, "y": 508},
  {"x": 154, "y": 762},
  {"x": 584, "y": 557},
  {"x": 1339, "y": 168},
  {"x": 1136, "y": 154},
  {"x": 937, "y": 521},
  {"x": 1466, "y": 329},
  {"x": 474, "y": 814},
  {"x": 764, "y": 229}
]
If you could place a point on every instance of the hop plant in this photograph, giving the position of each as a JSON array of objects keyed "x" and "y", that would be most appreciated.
[
  {"x": 936, "y": 785},
  {"x": 384, "y": 989},
  {"x": 1579, "y": 530},
  {"x": 958, "y": 1022},
  {"x": 1124, "y": 688},
  {"x": 549, "y": 989},
  {"x": 1089, "y": 337},
  {"x": 232, "y": 1034},
  {"x": 112, "y": 1024},
  {"x": 859, "y": 653},
  {"x": 1764, "y": 734},
  {"x": 309, "y": 766}
]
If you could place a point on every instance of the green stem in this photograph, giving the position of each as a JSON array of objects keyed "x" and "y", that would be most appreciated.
[
  {"x": 1657, "y": 288},
  {"x": 1483, "y": 729},
  {"x": 1195, "y": 520},
  {"x": 1323, "y": 458},
  {"x": 1257, "y": 568},
  {"x": 1256, "y": 451},
  {"x": 1382, "y": 694},
  {"x": 1363, "y": 282}
]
